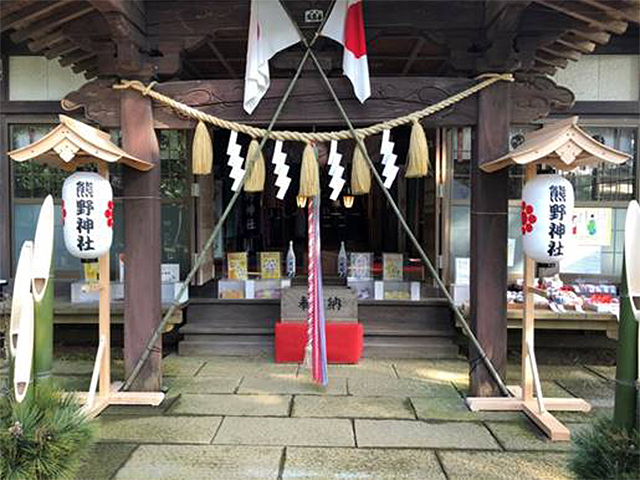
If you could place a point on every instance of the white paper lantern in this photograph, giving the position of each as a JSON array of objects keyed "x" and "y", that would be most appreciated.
[
  {"x": 547, "y": 212},
  {"x": 87, "y": 215}
]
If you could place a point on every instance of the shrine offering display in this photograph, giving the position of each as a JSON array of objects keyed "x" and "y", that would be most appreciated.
[
  {"x": 547, "y": 211},
  {"x": 87, "y": 215},
  {"x": 237, "y": 266},
  {"x": 392, "y": 266},
  {"x": 270, "y": 265}
]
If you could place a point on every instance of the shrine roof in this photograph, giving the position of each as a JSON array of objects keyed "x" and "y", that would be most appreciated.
[
  {"x": 562, "y": 145},
  {"x": 73, "y": 143}
]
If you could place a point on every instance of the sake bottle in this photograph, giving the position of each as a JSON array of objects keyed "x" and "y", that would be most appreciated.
[
  {"x": 342, "y": 261},
  {"x": 291, "y": 261}
]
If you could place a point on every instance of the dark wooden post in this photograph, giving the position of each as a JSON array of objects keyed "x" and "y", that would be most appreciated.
[
  {"x": 142, "y": 312},
  {"x": 489, "y": 222}
]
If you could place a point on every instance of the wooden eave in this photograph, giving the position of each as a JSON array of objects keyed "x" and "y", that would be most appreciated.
[
  {"x": 73, "y": 143},
  {"x": 562, "y": 145},
  {"x": 121, "y": 37}
]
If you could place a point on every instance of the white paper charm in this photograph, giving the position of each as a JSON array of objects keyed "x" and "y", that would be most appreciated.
[
  {"x": 390, "y": 171},
  {"x": 281, "y": 169},
  {"x": 235, "y": 161},
  {"x": 335, "y": 171}
]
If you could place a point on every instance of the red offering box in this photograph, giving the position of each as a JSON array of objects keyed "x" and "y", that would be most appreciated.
[{"x": 344, "y": 342}]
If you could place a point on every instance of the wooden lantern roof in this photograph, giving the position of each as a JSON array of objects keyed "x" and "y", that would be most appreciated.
[
  {"x": 562, "y": 145},
  {"x": 73, "y": 143}
]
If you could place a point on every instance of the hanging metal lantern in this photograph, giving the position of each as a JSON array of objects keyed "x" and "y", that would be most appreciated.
[
  {"x": 547, "y": 212},
  {"x": 87, "y": 215}
]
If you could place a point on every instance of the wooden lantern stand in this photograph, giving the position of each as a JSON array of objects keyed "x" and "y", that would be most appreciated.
[
  {"x": 564, "y": 146},
  {"x": 67, "y": 146}
]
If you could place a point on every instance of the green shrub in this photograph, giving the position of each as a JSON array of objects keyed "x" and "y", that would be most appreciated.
[
  {"x": 606, "y": 451},
  {"x": 43, "y": 438}
]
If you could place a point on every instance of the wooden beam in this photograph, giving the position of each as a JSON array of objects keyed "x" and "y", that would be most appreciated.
[
  {"x": 415, "y": 51},
  {"x": 42, "y": 27},
  {"x": 142, "y": 313},
  {"x": 85, "y": 64},
  {"x": 488, "y": 247},
  {"x": 551, "y": 60},
  {"x": 46, "y": 41},
  {"x": 543, "y": 69},
  {"x": 592, "y": 35},
  {"x": 130, "y": 9},
  {"x": 630, "y": 14},
  {"x": 60, "y": 49},
  {"x": 212, "y": 46},
  {"x": 556, "y": 51},
  {"x": 32, "y": 12},
  {"x": 576, "y": 44},
  {"x": 572, "y": 9},
  {"x": 391, "y": 97},
  {"x": 75, "y": 57}
]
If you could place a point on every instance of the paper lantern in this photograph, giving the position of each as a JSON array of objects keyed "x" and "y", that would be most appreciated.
[
  {"x": 547, "y": 212},
  {"x": 87, "y": 215}
]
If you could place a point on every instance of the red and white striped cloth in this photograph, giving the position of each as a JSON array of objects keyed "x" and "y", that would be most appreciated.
[
  {"x": 316, "y": 350},
  {"x": 345, "y": 25}
]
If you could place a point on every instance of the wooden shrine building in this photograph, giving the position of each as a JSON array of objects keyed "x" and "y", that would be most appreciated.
[{"x": 64, "y": 56}]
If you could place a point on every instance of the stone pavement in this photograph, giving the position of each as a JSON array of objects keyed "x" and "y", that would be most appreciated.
[{"x": 240, "y": 418}]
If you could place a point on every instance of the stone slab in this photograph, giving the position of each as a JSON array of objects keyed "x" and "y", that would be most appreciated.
[
  {"x": 239, "y": 366},
  {"x": 596, "y": 391},
  {"x": 285, "y": 431},
  {"x": 179, "y": 385},
  {"x": 365, "y": 368},
  {"x": 141, "y": 410},
  {"x": 104, "y": 461},
  {"x": 553, "y": 372},
  {"x": 454, "y": 371},
  {"x": 340, "y": 304},
  {"x": 454, "y": 409},
  {"x": 201, "y": 462},
  {"x": 400, "y": 387},
  {"x": 159, "y": 429},
  {"x": 525, "y": 435},
  {"x": 84, "y": 367},
  {"x": 351, "y": 407},
  {"x": 361, "y": 463},
  {"x": 505, "y": 466},
  {"x": 175, "y": 366},
  {"x": 608, "y": 372},
  {"x": 550, "y": 389},
  {"x": 406, "y": 433},
  {"x": 232, "y": 405},
  {"x": 289, "y": 385}
]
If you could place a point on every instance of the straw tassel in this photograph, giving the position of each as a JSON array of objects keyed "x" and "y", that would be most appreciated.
[
  {"x": 309, "y": 175},
  {"x": 418, "y": 157},
  {"x": 360, "y": 173},
  {"x": 202, "y": 151},
  {"x": 255, "y": 182}
]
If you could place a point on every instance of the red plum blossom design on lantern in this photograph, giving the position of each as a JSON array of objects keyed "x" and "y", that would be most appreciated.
[{"x": 528, "y": 218}]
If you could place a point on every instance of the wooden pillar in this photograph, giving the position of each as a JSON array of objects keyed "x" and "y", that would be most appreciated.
[
  {"x": 142, "y": 312},
  {"x": 489, "y": 222}
]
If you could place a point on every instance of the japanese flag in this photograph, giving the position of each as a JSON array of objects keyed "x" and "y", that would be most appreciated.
[
  {"x": 270, "y": 30},
  {"x": 346, "y": 26}
]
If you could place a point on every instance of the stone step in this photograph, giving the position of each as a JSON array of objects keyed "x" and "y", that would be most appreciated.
[
  {"x": 408, "y": 347},
  {"x": 232, "y": 345}
]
